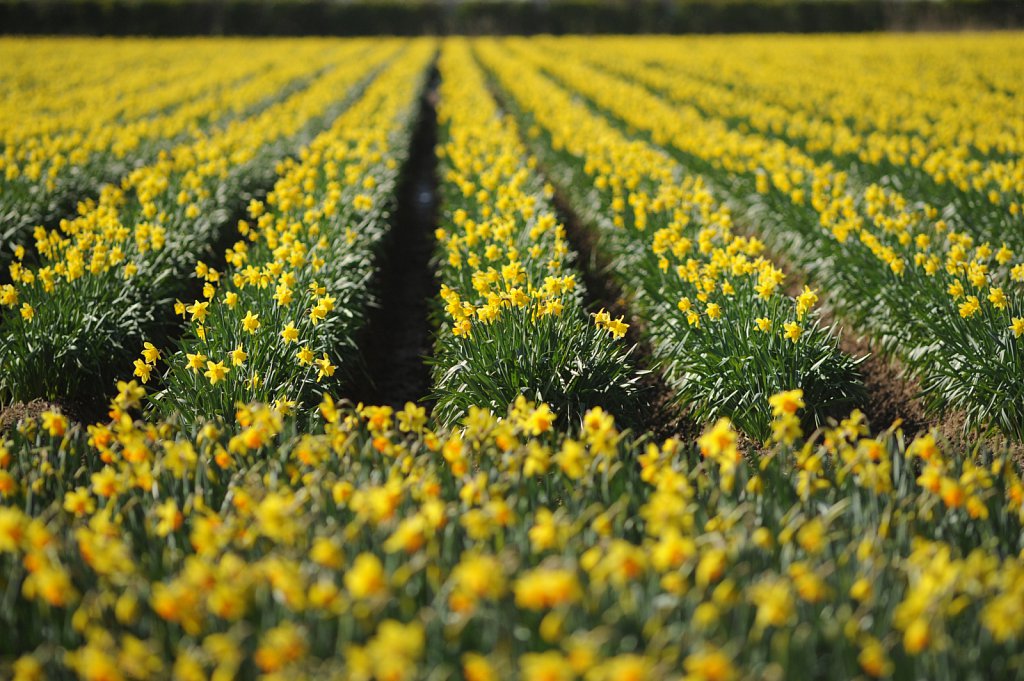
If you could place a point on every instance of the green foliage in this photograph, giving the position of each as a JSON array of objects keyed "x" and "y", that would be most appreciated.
[
  {"x": 720, "y": 365},
  {"x": 562, "y": 360}
]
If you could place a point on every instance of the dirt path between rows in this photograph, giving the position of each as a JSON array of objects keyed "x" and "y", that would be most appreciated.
[{"x": 399, "y": 336}]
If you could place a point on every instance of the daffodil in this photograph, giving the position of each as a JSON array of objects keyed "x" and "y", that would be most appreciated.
[
  {"x": 238, "y": 356},
  {"x": 216, "y": 372},
  {"x": 198, "y": 310},
  {"x": 325, "y": 368},
  {"x": 251, "y": 322},
  {"x": 143, "y": 370},
  {"x": 196, "y": 361},
  {"x": 150, "y": 353},
  {"x": 290, "y": 334},
  {"x": 788, "y": 402}
]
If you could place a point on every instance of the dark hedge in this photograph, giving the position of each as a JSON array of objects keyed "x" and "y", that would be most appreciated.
[{"x": 327, "y": 17}]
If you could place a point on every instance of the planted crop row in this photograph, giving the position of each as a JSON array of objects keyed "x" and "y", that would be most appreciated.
[
  {"x": 515, "y": 322},
  {"x": 372, "y": 545},
  {"x": 54, "y": 87},
  {"x": 963, "y": 159},
  {"x": 713, "y": 305},
  {"x": 947, "y": 306},
  {"x": 282, "y": 319},
  {"x": 107, "y": 277},
  {"x": 531, "y": 541},
  {"x": 65, "y": 149}
]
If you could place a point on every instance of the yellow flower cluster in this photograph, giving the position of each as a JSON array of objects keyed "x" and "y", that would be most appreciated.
[
  {"x": 508, "y": 282},
  {"x": 890, "y": 224},
  {"x": 406, "y": 548},
  {"x": 714, "y": 306},
  {"x": 505, "y": 247},
  {"x": 691, "y": 234},
  {"x": 131, "y": 222},
  {"x": 693, "y": 129},
  {"x": 87, "y": 102},
  {"x": 60, "y": 146},
  {"x": 111, "y": 272},
  {"x": 912, "y": 114},
  {"x": 269, "y": 325},
  {"x": 865, "y": 236}
]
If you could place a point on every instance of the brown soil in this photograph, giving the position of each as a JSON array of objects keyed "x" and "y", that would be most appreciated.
[
  {"x": 11, "y": 416},
  {"x": 398, "y": 334},
  {"x": 891, "y": 394}
]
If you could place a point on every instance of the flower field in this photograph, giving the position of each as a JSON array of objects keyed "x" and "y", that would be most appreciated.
[{"x": 725, "y": 379}]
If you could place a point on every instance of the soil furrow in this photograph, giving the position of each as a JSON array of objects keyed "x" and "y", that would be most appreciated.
[{"x": 398, "y": 337}]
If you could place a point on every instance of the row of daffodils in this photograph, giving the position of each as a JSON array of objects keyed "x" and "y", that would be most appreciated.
[
  {"x": 928, "y": 122},
  {"x": 927, "y": 289},
  {"x": 512, "y": 297},
  {"x": 366, "y": 545},
  {"x": 77, "y": 119},
  {"x": 283, "y": 319},
  {"x": 233, "y": 516},
  {"x": 712, "y": 303},
  {"x": 95, "y": 288}
]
